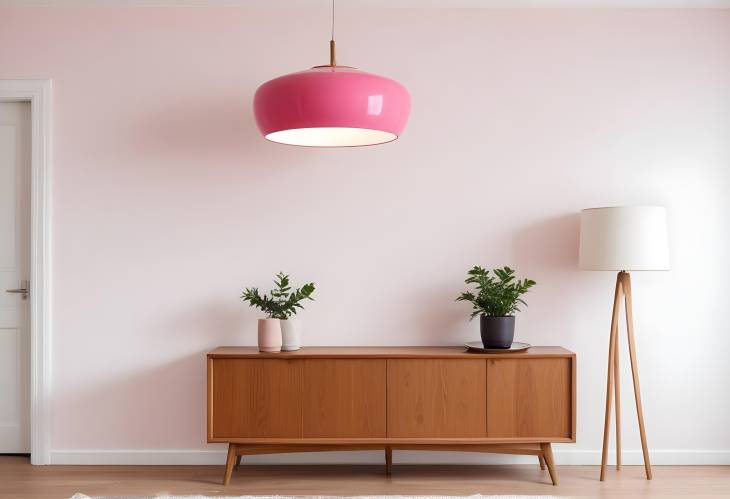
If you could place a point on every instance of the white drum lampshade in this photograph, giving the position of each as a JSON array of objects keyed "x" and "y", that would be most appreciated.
[{"x": 624, "y": 238}]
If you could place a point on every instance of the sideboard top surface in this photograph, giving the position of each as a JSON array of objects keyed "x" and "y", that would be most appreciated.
[{"x": 418, "y": 352}]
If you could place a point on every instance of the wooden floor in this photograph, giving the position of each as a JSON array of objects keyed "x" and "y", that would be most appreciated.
[{"x": 19, "y": 480}]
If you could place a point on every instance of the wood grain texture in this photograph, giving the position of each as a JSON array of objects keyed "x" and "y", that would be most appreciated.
[
  {"x": 617, "y": 397},
  {"x": 210, "y": 399},
  {"x": 529, "y": 398},
  {"x": 628, "y": 301},
  {"x": 574, "y": 390},
  {"x": 547, "y": 454},
  {"x": 254, "y": 449},
  {"x": 431, "y": 398},
  {"x": 436, "y": 398},
  {"x": 455, "y": 352},
  {"x": 344, "y": 398},
  {"x": 609, "y": 377},
  {"x": 256, "y": 398},
  {"x": 523, "y": 449},
  {"x": 623, "y": 289},
  {"x": 391, "y": 440},
  {"x": 230, "y": 463}
]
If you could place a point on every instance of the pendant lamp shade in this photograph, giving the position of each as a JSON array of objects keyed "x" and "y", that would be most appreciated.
[{"x": 331, "y": 106}]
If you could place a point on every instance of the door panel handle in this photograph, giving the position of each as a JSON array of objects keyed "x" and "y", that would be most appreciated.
[{"x": 24, "y": 290}]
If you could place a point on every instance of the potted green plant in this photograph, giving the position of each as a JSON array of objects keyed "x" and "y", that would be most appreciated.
[
  {"x": 495, "y": 301},
  {"x": 279, "y": 331}
]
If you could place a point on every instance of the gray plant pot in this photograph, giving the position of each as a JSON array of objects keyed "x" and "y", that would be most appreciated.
[{"x": 497, "y": 332}]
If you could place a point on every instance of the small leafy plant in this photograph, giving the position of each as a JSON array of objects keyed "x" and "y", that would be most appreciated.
[
  {"x": 281, "y": 302},
  {"x": 496, "y": 296}
]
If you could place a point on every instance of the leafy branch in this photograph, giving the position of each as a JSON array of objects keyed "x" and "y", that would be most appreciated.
[
  {"x": 281, "y": 302},
  {"x": 496, "y": 296}
]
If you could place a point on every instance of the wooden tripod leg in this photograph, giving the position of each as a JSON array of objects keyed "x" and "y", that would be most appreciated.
[
  {"x": 609, "y": 381},
  {"x": 230, "y": 462},
  {"x": 617, "y": 396},
  {"x": 388, "y": 460},
  {"x": 635, "y": 372},
  {"x": 542, "y": 462},
  {"x": 238, "y": 461},
  {"x": 547, "y": 452}
]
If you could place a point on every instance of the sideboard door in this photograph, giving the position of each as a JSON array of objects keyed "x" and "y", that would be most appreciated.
[
  {"x": 256, "y": 398},
  {"x": 530, "y": 398},
  {"x": 436, "y": 398},
  {"x": 344, "y": 398}
]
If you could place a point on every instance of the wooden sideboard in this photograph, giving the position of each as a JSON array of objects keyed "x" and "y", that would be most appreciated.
[{"x": 414, "y": 398}]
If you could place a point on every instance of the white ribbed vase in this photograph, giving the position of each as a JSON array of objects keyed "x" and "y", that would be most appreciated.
[{"x": 291, "y": 335}]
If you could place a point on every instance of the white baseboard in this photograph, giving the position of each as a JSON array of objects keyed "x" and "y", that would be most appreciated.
[{"x": 217, "y": 457}]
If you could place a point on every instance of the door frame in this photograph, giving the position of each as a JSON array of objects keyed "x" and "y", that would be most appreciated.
[{"x": 38, "y": 93}]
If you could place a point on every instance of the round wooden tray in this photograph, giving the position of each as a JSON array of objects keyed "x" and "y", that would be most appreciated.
[{"x": 478, "y": 346}]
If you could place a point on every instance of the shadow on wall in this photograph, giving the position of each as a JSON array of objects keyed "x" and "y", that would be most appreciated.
[
  {"x": 547, "y": 251},
  {"x": 550, "y": 243},
  {"x": 224, "y": 323},
  {"x": 218, "y": 127},
  {"x": 440, "y": 320}
]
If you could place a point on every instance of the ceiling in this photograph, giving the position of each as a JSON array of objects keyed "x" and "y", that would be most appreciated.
[{"x": 487, "y": 4}]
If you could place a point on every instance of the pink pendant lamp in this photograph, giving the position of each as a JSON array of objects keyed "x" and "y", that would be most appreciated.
[{"x": 331, "y": 106}]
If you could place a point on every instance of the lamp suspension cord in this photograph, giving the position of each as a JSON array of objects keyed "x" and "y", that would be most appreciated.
[{"x": 333, "y": 58}]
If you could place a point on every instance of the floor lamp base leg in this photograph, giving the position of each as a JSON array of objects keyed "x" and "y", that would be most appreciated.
[{"x": 623, "y": 289}]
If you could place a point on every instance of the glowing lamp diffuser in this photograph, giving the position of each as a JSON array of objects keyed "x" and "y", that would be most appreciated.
[{"x": 331, "y": 106}]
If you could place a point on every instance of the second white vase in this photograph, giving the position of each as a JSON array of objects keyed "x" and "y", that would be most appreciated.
[{"x": 291, "y": 335}]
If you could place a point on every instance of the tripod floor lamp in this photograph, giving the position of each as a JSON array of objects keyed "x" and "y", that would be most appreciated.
[{"x": 625, "y": 238}]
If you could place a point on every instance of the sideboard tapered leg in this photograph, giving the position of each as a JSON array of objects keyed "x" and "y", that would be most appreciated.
[
  {"x": 230, "y": 462},
  {"x": 547, "y": 452},
  {"x": 542, "y": 462},
  {"x": 388, "y": 460}
]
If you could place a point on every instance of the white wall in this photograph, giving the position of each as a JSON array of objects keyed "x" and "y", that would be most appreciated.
[{"x": 167, "y": 203}]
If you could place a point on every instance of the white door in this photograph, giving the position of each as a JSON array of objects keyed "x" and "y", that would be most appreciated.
[{"x": 14, "y": 275}]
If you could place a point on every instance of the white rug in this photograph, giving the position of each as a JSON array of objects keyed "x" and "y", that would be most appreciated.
[{"x": 478, "y": 496}]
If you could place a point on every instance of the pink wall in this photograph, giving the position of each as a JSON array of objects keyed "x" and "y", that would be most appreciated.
[{"x": 166, "y": 201}]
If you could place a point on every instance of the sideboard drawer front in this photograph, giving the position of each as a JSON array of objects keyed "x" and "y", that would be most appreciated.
[
  {"x": 256, "y": 398},
  {"x": 529, "y": 398},
  {"x": 344, "y": 398},
  {"x": 436, "y": 398}
]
